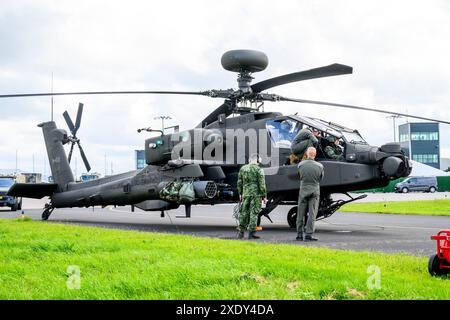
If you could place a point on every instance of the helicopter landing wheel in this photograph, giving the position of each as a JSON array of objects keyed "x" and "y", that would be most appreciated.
[
  {"x": 292, "y": 217},
  {"x": 45, "y": 215},
  {"x": 47, "y": 212}
]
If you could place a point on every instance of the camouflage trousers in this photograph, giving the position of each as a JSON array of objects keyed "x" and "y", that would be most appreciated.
[{"x": 248, "y": 216}]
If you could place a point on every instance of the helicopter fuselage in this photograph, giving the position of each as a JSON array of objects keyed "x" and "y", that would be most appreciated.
[{"x": 364, "y": 165}]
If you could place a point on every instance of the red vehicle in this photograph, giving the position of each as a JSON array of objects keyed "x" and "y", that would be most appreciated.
[{"x": 439, "y": 263}]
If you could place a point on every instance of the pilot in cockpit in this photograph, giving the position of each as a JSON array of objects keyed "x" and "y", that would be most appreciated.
[{"x": 334, "y": 150}]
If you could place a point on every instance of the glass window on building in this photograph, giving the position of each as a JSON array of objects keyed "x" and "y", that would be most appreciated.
[
  {"x": 434, "y": 136},
  {"x": 404, "y": 137},
  {"x": 426, "y": 158},
  {"x": 140, "y": 159},
  {"x": 424, "y": 136}
]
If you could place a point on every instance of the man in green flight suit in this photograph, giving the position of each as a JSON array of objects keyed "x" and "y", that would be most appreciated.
[
  {"x": 251, "y": 186},
  {"x": 307, "y": 137},
  {"x": 333, "y": 150},
  {"x": 311, "y": 173}
]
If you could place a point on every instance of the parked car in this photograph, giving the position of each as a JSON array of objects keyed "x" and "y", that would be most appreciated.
[
  {"x": 424, "y": 184},
  {"x": 6, "y": 201}
]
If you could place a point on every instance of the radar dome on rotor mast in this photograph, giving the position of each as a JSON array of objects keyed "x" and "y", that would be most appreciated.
[{"x": 244, "y": 62}]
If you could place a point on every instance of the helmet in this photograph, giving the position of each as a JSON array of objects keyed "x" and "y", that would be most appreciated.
[{"x": 331, "y": 139}]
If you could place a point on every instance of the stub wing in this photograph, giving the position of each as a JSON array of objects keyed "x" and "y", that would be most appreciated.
[{"x": 32, "y": 190}]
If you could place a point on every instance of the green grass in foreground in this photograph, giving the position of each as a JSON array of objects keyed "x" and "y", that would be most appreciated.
[
  {"x": 116, "y": 264},
  {"x": 426, "y": 207}
]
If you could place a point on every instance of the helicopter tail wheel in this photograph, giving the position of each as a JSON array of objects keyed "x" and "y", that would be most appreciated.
[{"x": 292, "y": 217}]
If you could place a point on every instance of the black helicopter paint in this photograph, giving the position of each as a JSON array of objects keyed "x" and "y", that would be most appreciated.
[{"x": 214, "y": 182}]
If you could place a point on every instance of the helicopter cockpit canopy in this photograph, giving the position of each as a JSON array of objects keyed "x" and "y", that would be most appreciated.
[
  {"x": 350, "y": 135},
  {"x": 283, "y": 130}
]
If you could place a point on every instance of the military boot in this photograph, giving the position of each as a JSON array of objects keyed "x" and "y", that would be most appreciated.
[
  {"x": 252, "y": 235},
  {"x": 310, "y": 239},
  {"x": 240, "y": 235}
]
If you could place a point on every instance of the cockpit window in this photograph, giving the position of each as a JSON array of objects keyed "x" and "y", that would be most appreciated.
[
  {"x": 282, "y": 132},
  {"x": 353, "y": 137}
]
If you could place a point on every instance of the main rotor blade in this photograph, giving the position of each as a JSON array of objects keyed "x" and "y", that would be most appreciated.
[
  {"x": 78, "y": 121},
  {"x": 83, "y": 156},
  {"x": 340, "y": 105},
  {"x": 226, "y": 108},
  {"x": 19, "y": 95},
  {"x": 69, "y": 122},
  {"x": 327, "y": 71}
]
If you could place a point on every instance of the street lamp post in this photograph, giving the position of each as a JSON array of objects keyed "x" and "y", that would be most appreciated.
[
  {"x": 162, "y": 121},
  {"x": 394, "y": 116}
]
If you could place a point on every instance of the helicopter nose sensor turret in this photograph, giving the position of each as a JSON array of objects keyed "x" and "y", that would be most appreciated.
[{"x": 394, "y": 167}]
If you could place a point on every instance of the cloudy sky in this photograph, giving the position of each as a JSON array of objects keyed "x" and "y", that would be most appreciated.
[{"x": 399, "y": 51}]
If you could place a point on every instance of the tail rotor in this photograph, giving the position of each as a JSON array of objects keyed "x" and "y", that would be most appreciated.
[{"x": 73, "y": 138}]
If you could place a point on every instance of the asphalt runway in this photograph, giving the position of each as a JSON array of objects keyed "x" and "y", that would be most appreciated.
[{"x": 348, "y": 231}]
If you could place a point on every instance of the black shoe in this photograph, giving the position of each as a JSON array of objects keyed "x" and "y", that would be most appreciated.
[
  {"x": 252, "y": 235},
  {"x": 310, "y": 239},
  {"x": 240, "y": 235},
  {"x": 299, "y": 238}
]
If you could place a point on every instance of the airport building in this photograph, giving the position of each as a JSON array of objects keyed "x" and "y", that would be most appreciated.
[
  {"x": 139, "y": 156},
  {"x": 420, "y": 142}
]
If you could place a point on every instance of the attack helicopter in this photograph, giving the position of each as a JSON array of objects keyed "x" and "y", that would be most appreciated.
[{"x": 206, "y": 159}]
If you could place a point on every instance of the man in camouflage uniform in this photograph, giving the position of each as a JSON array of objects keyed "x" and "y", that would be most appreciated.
[
  {"x": 306, "y": 138},
  {"x": 333, "y": 150},
  {"x": 311, "y": 173},
  {"x": 251, "y": 186}
]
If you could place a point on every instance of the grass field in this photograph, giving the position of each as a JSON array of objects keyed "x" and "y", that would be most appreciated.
[
  {"x": 116, "y": 264},
  {"x": 426, "y": 207}
]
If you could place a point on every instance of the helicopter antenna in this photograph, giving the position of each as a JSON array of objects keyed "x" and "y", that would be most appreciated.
[{"x": 52, "y": 99}]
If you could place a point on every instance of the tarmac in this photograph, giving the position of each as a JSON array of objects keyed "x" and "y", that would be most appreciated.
[{"x": 409, "y": 234}]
